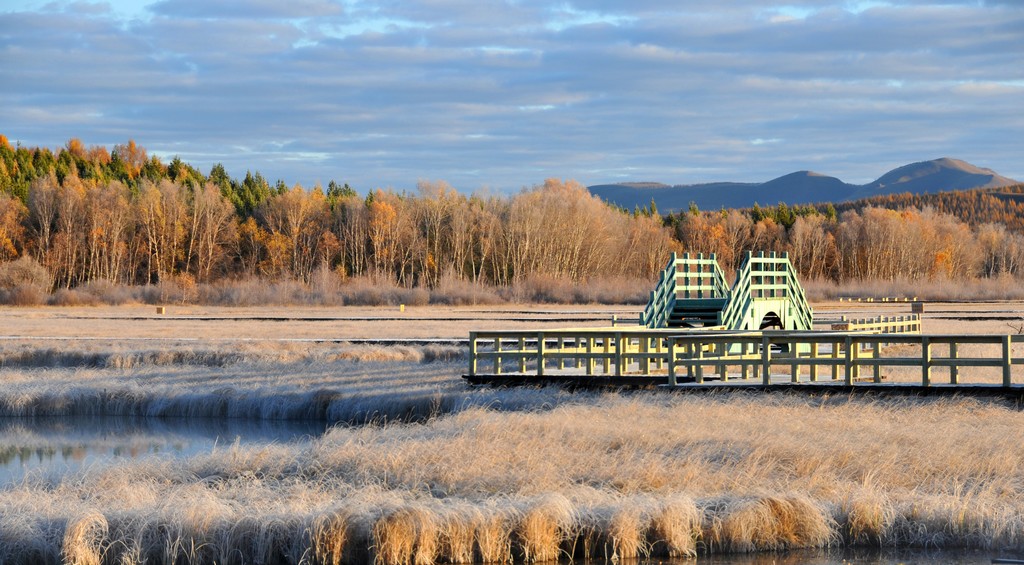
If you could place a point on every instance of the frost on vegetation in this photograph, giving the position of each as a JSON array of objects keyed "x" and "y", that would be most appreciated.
[
  {"x": 351, "y": 383},
  {"x": 175, "y": 355},
  {"x": 447, "y": 473}
]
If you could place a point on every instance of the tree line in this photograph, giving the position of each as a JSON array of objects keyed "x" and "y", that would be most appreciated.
[
  {"x": 86, "y": 214},
  {"x": 1003, "y": 205}
]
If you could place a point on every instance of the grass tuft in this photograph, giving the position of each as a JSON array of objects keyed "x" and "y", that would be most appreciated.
[
  {"x": 408, "y": 535},
  {"x": 676, "y": 528},
  {"x": 543, "y": 526},
  {"x": 83, "y": 539},
  {"x": 771, "y": 523},
  {"x": 330, "y": 536}
]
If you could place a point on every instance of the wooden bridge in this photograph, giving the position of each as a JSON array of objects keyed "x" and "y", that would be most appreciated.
[
  {"x": 698, "y": 358},
  {"x": 699, "y": 333},
  {"x": 692, "y": 293}
]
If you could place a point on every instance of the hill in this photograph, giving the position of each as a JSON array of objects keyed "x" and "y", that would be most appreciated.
[{"x": 804, "y": 187}]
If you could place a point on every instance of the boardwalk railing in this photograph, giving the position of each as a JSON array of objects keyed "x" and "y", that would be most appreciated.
[
  {"x": 609, "y": 351},
  {"x": 766, "y": 276},
  {"x": 764, "y": 357},
  {"x": 683, "y": 278},
  {"x": 881, "y": 324}
]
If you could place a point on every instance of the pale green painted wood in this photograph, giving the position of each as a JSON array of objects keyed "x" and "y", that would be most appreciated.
[{"x": 766, "y": 284}]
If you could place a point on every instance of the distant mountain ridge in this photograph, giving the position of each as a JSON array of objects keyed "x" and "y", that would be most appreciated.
[{"x": 803, "y": 187}]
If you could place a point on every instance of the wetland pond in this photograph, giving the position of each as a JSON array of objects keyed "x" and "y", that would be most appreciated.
[
  {"x": 847, "y": 557},
  {"x": 51, "y": 447}
]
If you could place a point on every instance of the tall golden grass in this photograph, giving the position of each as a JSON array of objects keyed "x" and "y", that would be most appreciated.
[
  {"x": 609, "y": 476},
  {"x": 422, "y": 469}
]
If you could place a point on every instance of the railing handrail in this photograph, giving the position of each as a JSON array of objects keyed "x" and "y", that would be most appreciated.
[
  {"x": 654, "y": 312},
  {"x": 684, "y": 278},
  {"x": 910, "y": 323},
  {"x": 797, "y": 296}
]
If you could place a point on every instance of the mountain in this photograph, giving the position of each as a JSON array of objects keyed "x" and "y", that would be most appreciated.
[
  {"x": 803, "y": 187},
  {"x": 933, "y": 176}
]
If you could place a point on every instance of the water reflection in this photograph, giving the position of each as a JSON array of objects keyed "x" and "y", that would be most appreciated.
[
  {"x": 847, "y": 557},
  {"x": 54, "y": 446}
]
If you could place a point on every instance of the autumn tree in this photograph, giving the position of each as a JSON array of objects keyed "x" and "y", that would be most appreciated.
[
  {"x": 811, "y": 246},
  {"x": 351, "y": 226},
  {"x": 12, "y": 233},
  {"x": 131, "y": 157},
  {"x": 210, "y": 231},
  {"x": 302, "y": 218},
  {"x": 161, "y": 211}
]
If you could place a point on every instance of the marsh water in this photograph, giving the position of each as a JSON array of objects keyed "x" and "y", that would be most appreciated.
[
  {"x": 51, "y": 447},
  {"x": 849, "y": 557}
]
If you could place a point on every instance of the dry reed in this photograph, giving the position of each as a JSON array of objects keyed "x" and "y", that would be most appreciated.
[
  {"x": 676, "y": 528},
  {"x": 494, "y": 476},
  {"x": 329, "y": 537},
  {"x": 84, "y": 538},
  {"x": 771, "y": 523},
  {"x": 408, "y": 535},
  {"x": 543, "y": 526}
]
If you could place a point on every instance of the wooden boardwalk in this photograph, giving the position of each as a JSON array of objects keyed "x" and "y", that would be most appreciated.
[{"x": 833, "y": 361}]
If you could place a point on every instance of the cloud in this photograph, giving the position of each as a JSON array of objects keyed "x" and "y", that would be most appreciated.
[
  {"x": 506, "y": 93},
  {"x": 245, "y": 9}
]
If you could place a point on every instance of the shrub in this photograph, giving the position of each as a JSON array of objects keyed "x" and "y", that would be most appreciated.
[
  {"x": 455, "y": 291},
  {"x": 107, "y": 292},
  {"x": 72, "y": 297},
  {"x": 24, "y": 282}
]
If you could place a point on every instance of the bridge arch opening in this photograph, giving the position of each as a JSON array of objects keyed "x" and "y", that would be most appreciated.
[{"x": 771, "y": 321}]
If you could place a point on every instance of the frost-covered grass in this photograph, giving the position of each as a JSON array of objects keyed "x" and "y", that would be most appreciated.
[
  {"x": 613, "y": 475},
  {"x": 335, "y": 383},
  {"x": 422, "y": 469}
]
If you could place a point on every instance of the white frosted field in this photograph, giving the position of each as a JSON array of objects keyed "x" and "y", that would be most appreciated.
[{"x": 423, "y": 469}]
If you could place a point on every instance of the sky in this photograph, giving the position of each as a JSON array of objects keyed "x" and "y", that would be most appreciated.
[{"x": 498, "y": 95}]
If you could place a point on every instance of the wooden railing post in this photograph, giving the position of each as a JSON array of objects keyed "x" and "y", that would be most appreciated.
[
  {"x": 766, "y": 360},
  {"x": 645, "y": 360},
  {"x": 619, "y": 353},
  {"x": 722, "y": 349},
  {"x": 540, "y": 354},
  {"x": 835, "y": 365},
  {"x": 700, "y": 366},
  {"x": 744, "y": 366},
  {"x": 848, "y": 375},
  {"x": 794, "y": 369},
  {"x": 497, "y": 357},
  {"x": 1007, "y": 361},
  {"x": 606, "y": 360},
  {"x": 672, "y": 361},
  {"x": 814, "y": 365},
  {"x": 954, "y": 370},
  {"x": 472, "y": 353},
  {"x": 926, "y": 362},
  {"x": 590, "y": 355}
]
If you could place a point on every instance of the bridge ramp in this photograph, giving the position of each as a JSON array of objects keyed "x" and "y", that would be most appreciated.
[{"x": 692, "y": 292}]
